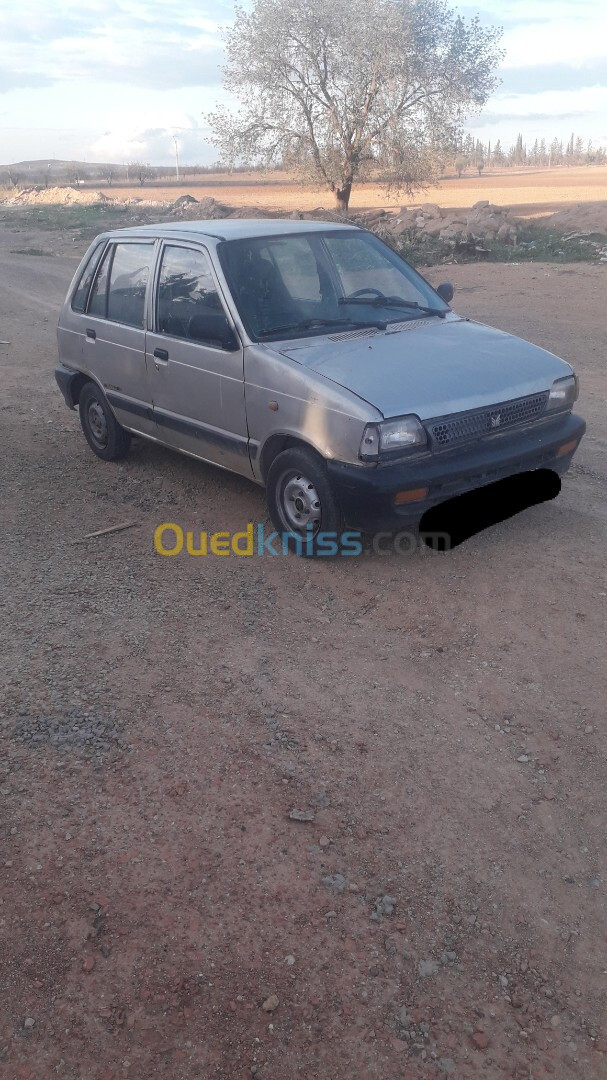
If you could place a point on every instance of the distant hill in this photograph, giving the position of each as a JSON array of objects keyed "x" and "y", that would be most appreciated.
[{"x": 58, "y": 163}]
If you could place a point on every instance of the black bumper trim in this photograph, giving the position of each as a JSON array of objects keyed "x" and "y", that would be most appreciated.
[
  {"x": 64, "y": 378},
  {"x": 366, "y": 494}
]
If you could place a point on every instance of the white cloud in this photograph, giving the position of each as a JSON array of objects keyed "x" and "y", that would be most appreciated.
[
  {"x": 573, "y": 39},
  {"x": 130, "y": 42},
  {"x": 150, "y": 139},
  {"x": 586, "y": 101}
]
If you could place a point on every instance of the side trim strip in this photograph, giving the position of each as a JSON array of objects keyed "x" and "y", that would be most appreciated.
[
  {"x": 222, "y": 439},
  {"x": 138, "y": 408}
]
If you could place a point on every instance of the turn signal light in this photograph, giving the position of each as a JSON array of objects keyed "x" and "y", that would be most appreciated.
[
  {"x": 413, "y": 495},
  {"x": 567, "y": 448}
]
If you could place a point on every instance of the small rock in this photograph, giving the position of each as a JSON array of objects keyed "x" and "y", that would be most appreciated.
[
  {"x": 523, "y": 758},
  {"x": 289, "y": 960},
  {"x": 404, "y": 1019},
  {"x": 385, "y": 905},
  {"x": 555, "y": 1021},
  {"x": 336, "y": 882},
  {"x": 324, "y": 841},
  {"x": 426, "y": 968},
  {"x": 446, "y": 1065},
  {"x": 270, "y": 1004},
  {"x": 88, "y": 963},
  {"x": 29, "y": 1022},
  {"x": 480, "y": 1040},
  {"x": 302, "y": 815}
]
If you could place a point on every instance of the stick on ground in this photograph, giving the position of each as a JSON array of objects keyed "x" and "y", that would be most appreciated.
[{"x": 103, "y": 532}]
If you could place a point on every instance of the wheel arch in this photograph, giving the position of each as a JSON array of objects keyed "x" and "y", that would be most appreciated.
[
  {"x": 72, "y": 382},
  {"x": 275, "y": 445}
]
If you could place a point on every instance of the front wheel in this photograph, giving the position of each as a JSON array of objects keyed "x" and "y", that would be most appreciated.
[
  {"x": 301, "y": 501},
  {"x": 106, "y": 438}
]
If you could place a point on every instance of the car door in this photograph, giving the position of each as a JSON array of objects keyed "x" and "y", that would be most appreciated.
[
  {"x": 196, "y": 361},
  {"x": 114, "y": 326}
]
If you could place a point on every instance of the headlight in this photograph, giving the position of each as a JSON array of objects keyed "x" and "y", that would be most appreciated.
[
  {"x": 392, "y": 437},
  {"x": 563, "y": 394}
]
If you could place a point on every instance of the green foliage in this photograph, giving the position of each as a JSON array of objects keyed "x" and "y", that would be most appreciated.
[
  {"x": 534, "y": 244},
  {"x": 84, "y": 221}
]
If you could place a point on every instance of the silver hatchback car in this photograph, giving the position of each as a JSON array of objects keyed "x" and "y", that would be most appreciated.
[{"x": 312, "y": 359}]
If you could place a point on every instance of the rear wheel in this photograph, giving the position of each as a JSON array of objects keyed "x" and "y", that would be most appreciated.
[
  {"x": 102, "y": 431},
  {"x": 301, "y": 501}
]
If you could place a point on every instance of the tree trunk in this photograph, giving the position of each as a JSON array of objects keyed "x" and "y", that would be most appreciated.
[{"x": 342, "y": 197}]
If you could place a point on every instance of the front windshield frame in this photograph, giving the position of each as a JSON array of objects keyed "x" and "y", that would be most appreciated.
[{"x": 351, "y": 319}]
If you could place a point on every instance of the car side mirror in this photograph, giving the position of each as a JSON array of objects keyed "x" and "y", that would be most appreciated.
[
  {"x": 445, "y": 291},
  {"x": 212, "y": 328},
  {"x": 229, "y": 341}
]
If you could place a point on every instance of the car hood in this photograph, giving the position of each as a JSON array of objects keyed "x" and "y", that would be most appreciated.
[{"x": 432, "y": 367}]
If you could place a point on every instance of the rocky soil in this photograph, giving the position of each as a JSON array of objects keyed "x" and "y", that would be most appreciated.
[{"x": 465, "y": 230}]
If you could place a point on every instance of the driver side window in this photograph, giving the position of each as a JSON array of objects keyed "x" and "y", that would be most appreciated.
[{"x": 188, "y": 304}]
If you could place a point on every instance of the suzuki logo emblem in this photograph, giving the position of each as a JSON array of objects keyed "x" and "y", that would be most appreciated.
[{"x": 496, "y": 419}]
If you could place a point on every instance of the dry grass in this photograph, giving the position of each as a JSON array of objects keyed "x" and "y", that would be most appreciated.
[{"x": 531, "y": 192}]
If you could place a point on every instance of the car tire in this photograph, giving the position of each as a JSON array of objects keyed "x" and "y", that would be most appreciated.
[
  {"x": 301, "y": 501},
  {"x": 106, "y": 438}
]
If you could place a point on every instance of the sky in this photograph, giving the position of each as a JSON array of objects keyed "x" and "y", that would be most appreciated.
[{"x": 115, "y": 80}]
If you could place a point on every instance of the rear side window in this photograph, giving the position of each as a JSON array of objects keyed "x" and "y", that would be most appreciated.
[
  {"x": 86, "y": 277},
  {"x": 98, "y": 299},
  {"x": 119, "y": 290}
]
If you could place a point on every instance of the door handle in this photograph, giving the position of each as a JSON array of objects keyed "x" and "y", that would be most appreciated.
[
  {"x": 92, "y": 334},
  {"x": 161, "y": 354}
]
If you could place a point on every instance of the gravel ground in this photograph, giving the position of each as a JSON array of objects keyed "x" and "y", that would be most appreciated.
[{"x": 437, "y": 906}]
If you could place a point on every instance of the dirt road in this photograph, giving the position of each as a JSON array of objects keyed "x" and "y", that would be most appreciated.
[{"x": 443, "y": 716}]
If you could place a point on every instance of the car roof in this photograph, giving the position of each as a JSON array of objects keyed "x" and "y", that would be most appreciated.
[{"x": 231, "y": 229}]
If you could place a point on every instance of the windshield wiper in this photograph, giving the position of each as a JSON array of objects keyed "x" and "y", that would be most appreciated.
[
  {"x": 391, "y": 301},
  {"x": 310, "y": 324}
]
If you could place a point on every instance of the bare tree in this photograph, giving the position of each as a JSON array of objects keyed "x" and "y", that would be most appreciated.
[
  {"x": 74, "y": 173},
  {"x": 139, "y": 170},
  {"x": 460, "y": 165},
  {"x": 337, "y": 89},
  {"x": 15, "y": 178}
]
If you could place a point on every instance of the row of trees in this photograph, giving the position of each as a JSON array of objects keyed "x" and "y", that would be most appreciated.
[
  {"x": 478, "y": 155},
  {"x": 50, "y": 174}
]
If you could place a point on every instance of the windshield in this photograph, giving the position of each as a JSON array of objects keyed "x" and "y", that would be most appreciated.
[{"x": 302, "y": 284}]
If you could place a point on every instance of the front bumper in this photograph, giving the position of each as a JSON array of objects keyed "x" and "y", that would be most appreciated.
[{"x": 366, "y": 494}]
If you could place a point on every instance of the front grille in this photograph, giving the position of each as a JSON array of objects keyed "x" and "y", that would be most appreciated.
[{"x": 449, "y": 431}]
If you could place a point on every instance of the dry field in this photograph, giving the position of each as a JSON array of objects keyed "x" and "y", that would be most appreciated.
[
  {"x": 530, "y": 192},
  {"x": 443, "y": 717}
]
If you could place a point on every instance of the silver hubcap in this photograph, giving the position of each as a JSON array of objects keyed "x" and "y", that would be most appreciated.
[
  {"x": 97, "y": 423},
  {"x": 299, "y": 503}
]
